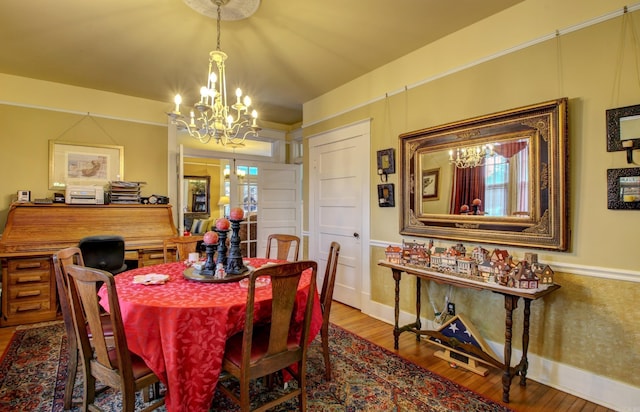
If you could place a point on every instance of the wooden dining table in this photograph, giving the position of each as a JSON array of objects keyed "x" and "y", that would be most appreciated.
[{"x": 180, "y": 327}]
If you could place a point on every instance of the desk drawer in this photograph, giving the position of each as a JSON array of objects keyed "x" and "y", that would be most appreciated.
[
  {"x": 29, "y": 265},
  {"x": 152, "y": 257},
  {"x": 28, "y": 292},
  {"x": 26, "y": 307},
  {"x": 29, "y": 278}
]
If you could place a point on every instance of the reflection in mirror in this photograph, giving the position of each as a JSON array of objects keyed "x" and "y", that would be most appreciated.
[
  {"x": 499, "y": 178},
  {"x": 496, "y": 185},
  {"x": 629, "y": 127},
  {"x": 197, "y": 194}
]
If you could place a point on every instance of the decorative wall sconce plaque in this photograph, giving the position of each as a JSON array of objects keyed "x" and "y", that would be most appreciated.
[
  {"x": 623, "y": 130},
  {"x": 386, "y": 162},
  {"x": 623, "y": 188}
]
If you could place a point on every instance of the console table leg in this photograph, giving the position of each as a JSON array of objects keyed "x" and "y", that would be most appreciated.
[
  {"x": 510, "y": 303},
  {"x": 397, "y": 275},
  {"x": 524, "y": 363},
  {"x": 418, "y": 309}
]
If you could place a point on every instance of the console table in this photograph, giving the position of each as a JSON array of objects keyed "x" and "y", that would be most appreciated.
[
  {"x": 34, "y": 232},
  {"x": 511, "y": 297}
]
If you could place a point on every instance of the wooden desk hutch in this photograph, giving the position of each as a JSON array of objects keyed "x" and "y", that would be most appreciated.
[{"x": 34, "y": 232}]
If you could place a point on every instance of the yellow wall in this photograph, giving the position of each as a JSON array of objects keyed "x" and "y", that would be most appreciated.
[
  {"x": 24, "y": 149},
  {"x": 590, "y": 318}
]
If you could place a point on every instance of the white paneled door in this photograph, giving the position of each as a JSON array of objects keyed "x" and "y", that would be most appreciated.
[
  {"x": 279, "y": 202},
  {"x": 339, "y": 211}
]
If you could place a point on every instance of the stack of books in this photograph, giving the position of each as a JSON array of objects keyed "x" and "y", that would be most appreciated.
[{"x": 124, "y": 192}]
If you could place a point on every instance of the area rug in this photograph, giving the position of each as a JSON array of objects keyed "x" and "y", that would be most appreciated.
[{"x": 366, "y": 377}]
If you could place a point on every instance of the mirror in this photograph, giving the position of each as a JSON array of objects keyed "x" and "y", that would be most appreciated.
[
  {"x": 499, "y": 178},
  {"x": 623, "y": 130},
  {"x": 623, "y": 124},
  {"x": 197, "y": 194}
]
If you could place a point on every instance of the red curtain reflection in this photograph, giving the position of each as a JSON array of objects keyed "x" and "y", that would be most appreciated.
[
  {"x": 468, "y": 185},
  {"x": 507, "y": 150}
]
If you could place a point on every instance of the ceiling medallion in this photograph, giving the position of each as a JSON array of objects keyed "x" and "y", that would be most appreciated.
[{"x": 232, "y": 10}]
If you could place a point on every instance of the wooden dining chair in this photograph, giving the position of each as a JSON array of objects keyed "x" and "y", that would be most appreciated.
[
  {"x": 266, "y": 348},
  {"x": 283, "y": 244},
  {"x": 183, "y": 246},
  {"x": 62, "y": 259},
  {"x": 326, "y": 298},
  {"x": 72, "y": 341},
  {"x": 116, "y": 366}
]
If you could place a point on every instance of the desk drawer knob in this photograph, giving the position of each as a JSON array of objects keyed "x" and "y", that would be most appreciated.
[
  {"x": 28, "y": 293},
  {"x": 29, "y": 279},
  {"x": 28, "y": 265},
  {"x": 27, "y": 308}
]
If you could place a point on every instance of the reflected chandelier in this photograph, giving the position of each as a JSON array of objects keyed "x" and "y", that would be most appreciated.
[
  {"x": 212, "y": 117},
  {"x": 470, "y": 156}
]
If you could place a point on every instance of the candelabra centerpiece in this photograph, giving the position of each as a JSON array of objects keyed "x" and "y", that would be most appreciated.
[
  {"x": 210, "y": 241},
  {"x": 235, "y": 265},
  {"x": 222, "y": 229}
]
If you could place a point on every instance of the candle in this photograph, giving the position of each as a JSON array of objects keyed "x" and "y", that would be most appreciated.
[{"x": 178, "y": 100}]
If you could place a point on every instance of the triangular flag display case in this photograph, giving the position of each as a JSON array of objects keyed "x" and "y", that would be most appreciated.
[{"x": 462, "y": 345}]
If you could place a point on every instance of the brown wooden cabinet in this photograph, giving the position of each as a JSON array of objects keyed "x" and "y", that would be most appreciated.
[
  {"x": 28, "y": 289},
  {"x": 34, "y": 232}
]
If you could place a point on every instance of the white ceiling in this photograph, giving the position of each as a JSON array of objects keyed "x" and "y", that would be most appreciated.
[{"x": 287, "y": 53}]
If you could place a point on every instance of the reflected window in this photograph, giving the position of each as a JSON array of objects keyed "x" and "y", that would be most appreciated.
[
  {"x": 496, "y": 185},
  {"x": 507, "y": 185}
]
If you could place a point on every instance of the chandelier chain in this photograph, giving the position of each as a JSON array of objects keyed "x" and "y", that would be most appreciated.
[{"x": 218, "y": 26}]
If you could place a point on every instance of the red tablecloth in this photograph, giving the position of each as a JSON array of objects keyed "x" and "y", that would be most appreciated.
[{"x": 180, "y": 328}]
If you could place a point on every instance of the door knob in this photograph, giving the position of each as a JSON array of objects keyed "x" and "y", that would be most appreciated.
[{"x": 356, "y": 235}]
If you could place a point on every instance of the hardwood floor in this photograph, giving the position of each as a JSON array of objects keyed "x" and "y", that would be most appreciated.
[{"x": 533, "y": 397}]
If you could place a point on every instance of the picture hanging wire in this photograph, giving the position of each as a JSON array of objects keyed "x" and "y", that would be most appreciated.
[{"x": 83, "y": 118}]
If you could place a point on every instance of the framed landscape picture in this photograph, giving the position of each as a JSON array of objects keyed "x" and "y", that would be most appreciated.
[{"x": 84, "y": 164}]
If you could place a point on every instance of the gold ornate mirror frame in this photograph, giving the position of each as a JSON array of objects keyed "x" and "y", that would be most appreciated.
[{"x": 532, "y": 139}]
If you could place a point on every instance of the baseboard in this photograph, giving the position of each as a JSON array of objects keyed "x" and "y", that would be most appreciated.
[{"x": 577, "y": 382}]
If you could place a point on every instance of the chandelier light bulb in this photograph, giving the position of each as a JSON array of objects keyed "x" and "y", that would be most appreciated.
[
  {"x": 177, "y": 100},
  {"x": 247, "y": 101}
]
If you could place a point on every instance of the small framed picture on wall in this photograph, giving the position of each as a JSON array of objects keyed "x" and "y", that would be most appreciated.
[{"x": 386, "y": 195}]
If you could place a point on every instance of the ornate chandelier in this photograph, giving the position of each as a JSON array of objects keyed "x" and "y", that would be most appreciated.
[
  {"x": 212, "y": 117},
  {"x": 470, "y": 156}
]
